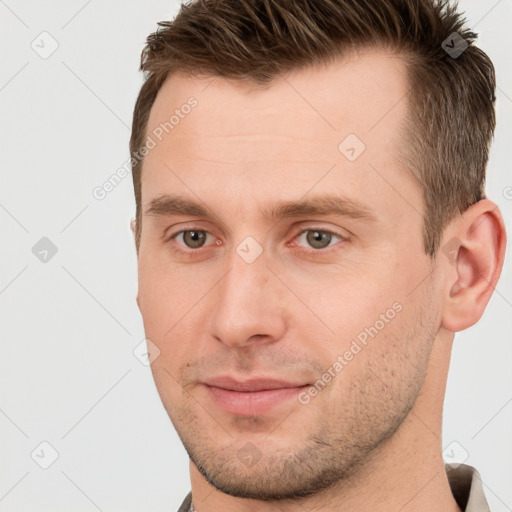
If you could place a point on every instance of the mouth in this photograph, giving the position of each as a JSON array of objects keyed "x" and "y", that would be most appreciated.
[{"x": 253, "y": 397}]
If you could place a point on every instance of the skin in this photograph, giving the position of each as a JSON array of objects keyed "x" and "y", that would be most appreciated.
[{"x": 371, "y": 439}]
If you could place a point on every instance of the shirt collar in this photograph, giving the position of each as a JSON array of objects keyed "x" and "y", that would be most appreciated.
[{"x": 467, "y": 488}]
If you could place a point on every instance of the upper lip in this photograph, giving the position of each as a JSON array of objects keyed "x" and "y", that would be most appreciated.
[{"x": 257, "y": 384}]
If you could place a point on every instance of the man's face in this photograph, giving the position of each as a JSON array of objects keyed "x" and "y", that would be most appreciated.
[{"x": 249, "y": 311}]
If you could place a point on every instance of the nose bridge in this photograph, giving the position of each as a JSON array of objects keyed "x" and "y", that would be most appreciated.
[{"x": 246, "y": 302}]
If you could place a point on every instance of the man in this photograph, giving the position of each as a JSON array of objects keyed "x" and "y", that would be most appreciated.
[{"x": 311, "y": 231}]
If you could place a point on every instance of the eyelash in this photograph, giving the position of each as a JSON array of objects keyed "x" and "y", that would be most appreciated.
[{"x": 194, "y": 252}]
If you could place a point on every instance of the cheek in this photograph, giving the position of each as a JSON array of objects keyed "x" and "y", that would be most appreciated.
[
  {"x": 172, "y": 299},
  {"x": 384, "y": 363},
  {"x": 350, "y": 301},
  {"x": 164, "y": 296},
  {"x": 373, "y": 314}
]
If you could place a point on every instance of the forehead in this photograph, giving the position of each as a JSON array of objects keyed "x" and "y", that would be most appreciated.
[
  {"x": 282, "y": 138},
  {"x": 358, "y": 91}
]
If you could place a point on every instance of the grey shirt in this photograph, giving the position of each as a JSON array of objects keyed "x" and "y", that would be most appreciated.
[{"x": 465, "y": 483}]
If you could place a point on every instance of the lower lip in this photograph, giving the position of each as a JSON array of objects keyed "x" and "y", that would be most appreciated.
[{"x": 251, "y": 403}]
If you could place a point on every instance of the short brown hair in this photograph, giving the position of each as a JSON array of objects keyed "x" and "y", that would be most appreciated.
[{"x": 451, "y": 117}]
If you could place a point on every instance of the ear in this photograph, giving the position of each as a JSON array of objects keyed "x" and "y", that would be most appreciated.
[
  {"x": 133, "y": 227},
  {"x": 472, "y": 253},
  {"x": 133, "y": 224}
]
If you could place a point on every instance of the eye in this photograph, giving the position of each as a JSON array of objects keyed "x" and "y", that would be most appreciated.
[
  {"x": 319, "y": 238},
  {"x": 192, "y": 239}
]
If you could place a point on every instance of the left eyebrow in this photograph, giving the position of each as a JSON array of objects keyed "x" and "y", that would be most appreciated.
[
  {"x": 168, "y": 205},
  {"x": 321, "y": 205}
]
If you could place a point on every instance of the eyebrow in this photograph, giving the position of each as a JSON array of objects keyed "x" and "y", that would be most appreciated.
[{"x": 169, "y": 205}]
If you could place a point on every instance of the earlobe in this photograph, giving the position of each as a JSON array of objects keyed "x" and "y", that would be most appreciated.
[
  {"x": 473, "y": 257},
  {"x": 132, "y": 226}
]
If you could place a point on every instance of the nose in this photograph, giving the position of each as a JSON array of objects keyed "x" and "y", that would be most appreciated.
[{"x": 249, "y": 305}]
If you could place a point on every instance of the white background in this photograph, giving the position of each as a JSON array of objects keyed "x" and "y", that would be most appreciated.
[{"x": 68, "y": 375}]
